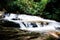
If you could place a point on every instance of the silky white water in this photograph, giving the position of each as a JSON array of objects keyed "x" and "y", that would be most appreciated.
[{"x": 27, "y": 22}]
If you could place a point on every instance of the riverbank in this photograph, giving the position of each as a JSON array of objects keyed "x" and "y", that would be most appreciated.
[{"x": 10, "y": 33}]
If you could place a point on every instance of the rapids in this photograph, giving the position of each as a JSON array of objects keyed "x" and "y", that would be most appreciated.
[{"x": 32, "y": 23}]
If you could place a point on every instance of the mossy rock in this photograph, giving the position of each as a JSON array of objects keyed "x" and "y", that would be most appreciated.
[{"x": 11, "y": 33}]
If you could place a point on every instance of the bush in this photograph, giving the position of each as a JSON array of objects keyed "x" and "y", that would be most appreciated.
[
  {"x": 45, "y": 8},
  {"x": 27, "y": 6},
  {"x": 52, "y": 10}
]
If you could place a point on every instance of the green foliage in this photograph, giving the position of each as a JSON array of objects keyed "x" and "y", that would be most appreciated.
[
  {"x": 4, "y": 3},
  {"x": 52, "y": 10},
  {"x": 27, "y": 6},
  {"x": 46, "y": 8},
  {"x": 31, "y": 6}
]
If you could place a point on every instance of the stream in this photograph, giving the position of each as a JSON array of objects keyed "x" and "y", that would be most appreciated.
[{"x": 31, "y": 23}]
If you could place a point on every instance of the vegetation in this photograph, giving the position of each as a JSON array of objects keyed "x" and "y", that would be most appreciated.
[
  {"x": 52, "y": 10},
  {"x": 45, "y": 8},
  {"x": 49, "y": 9}
]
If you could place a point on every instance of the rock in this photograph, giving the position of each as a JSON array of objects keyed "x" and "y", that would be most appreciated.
[{"x": 11, "y": 33}]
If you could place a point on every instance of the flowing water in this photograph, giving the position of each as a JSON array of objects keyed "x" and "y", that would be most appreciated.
[{"x": 33, "y": 23}]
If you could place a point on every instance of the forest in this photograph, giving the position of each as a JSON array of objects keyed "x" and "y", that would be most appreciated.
[{"x": 49, "y": 9}]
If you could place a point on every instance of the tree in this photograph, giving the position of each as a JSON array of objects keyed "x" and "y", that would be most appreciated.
[
  {"x": 45, "y": 8},
  {"x": 52, "y": 10},
  {"x": 27, "y": 6}
]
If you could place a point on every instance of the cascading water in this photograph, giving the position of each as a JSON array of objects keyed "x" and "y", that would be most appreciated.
[{"x": 32, "y": 23}]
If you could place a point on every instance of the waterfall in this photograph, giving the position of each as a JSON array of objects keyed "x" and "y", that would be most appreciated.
[
  {"x": 33, "y": 23},
  {"x": 9, "y": 16}
]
